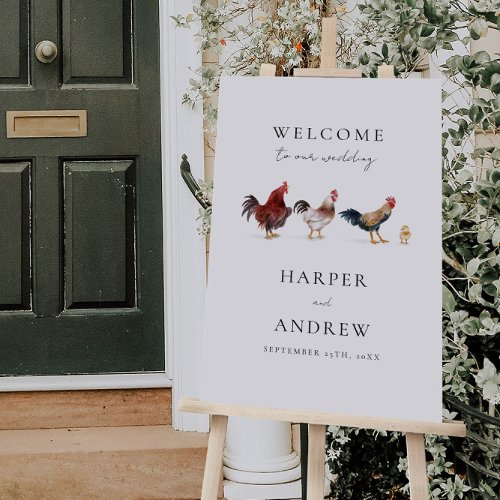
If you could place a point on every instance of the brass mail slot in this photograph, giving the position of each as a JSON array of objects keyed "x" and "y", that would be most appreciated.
[{"x": 53, "y": 123}]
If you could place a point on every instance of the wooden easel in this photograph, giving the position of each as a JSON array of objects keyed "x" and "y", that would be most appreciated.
[
  {"x": 317, "y": 422},
  {"x": 415, "y": 441}
]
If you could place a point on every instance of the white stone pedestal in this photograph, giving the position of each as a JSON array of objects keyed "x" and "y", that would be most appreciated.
[
  {"x": 259, "y": 462},
  {"x": 240, "y": 491}
]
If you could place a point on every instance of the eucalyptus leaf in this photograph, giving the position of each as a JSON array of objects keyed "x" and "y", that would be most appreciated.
[
  {"x": 476, "y": 113},
  {"x": 449, "y": 36},
  {"x": 495, "y": 83},
  {"x": 481, "y": 57},
  {"x": 487, "y": 374},
  {"x": 416, "y": 31},
  {"x": 475, "y": 292},
  {"x": 483, "y": 236},
  {"x": 364, "y": 59},
  {"x": 430, "y": 11},
  {"x": 449, "y": 302},
  {"x": 491, "y": 290},
  {"x": 495, "y": 239},
  {"x": 478, "y": 28},
  {"x": 488, "y": 323},
  {"x": 428, "y": 44},
  {"x": 464, "y": 176},
  {"x": 490, "y": 390},
  {"x": 496, "y": 101}
]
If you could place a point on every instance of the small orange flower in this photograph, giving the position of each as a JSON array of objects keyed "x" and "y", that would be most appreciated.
[
  {"x": 298, "y": 46},
  {"x": 222, "y": 42}
]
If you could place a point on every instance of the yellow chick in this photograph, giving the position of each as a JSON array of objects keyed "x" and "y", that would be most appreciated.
[{"x": 405, "y": 234}]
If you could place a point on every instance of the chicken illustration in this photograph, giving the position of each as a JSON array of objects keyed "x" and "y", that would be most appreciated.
[
  {"x": 317, "y": 218},
  {"x": 270, "y": 216},
  {"x": 371, "y": 221},
  {"x": 405, "y": 234}
]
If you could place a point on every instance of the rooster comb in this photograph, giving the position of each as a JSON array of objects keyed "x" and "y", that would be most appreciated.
[
  {"x": 391, "y": 199},
  {"x": 285, "y": 184}
]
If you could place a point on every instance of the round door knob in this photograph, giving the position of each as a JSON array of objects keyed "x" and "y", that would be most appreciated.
[{"x": 46, "y": 51}]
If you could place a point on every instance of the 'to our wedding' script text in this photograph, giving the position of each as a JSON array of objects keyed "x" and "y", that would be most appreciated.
[{"x": 328, "y": 134}]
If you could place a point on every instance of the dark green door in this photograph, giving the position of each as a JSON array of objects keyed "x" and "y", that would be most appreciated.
[{"x": 80, "y": 210}]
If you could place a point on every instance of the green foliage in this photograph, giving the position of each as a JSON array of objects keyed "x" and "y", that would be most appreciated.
[
  {"x": 247, "y": 33},
  {"x": 452, "y": 488},
  {"x": 366, "y": 464},
  {"x": 405, "y": 33},
  {"x": 408, "y": 32},
  {"x": 205, "y": 216}
]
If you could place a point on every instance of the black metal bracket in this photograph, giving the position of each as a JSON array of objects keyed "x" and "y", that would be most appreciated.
[
  {"x": 191, "y": 183},
  {"x": 304, "y": 458}
]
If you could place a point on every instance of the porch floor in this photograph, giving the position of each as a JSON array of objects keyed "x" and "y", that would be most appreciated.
[
  {"x": 96, "y": 444},
  {"x": 132, "y": 462}
]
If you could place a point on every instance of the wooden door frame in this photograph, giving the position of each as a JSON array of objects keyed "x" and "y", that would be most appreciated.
[
  {"x": 184, "y": 257},
  {"x": 184, "y": 250}
]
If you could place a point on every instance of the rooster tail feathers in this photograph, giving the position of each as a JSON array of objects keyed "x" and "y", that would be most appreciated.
[
  {"x": 250, "y": 205},
  {"x": 301, "y": 206},
  {"x": 351, "y": 215}
]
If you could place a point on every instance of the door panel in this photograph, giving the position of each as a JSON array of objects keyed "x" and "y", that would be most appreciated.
[
  {"x": 15, "y": 271},
  {"x": 14, "y": 41},
  {"x": 110, "y": 59},
  {"x": 82, "y": 288},
  {"x": 99, "y": 226}
]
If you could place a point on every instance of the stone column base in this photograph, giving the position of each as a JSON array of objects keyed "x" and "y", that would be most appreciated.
[
  {"x": 240, "y": 491},
  {"x": 284, "y": 491},
  {"x": 259, "y": 478}
]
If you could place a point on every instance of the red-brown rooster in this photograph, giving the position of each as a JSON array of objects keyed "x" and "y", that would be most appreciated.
[
  {"x": 317, "y": 218},
  {"x": 371, "y": 221},
  {"x": 273, "y": 214}
]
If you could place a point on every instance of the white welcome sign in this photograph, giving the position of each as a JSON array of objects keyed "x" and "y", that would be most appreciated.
[{"x": 325, "y": 263}]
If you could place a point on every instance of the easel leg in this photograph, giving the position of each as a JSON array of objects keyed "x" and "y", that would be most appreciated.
[
  {"x": 213, "y": 464},
  {"x": 417, "y": 466},
  {"x": 316, "y": 462}
]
